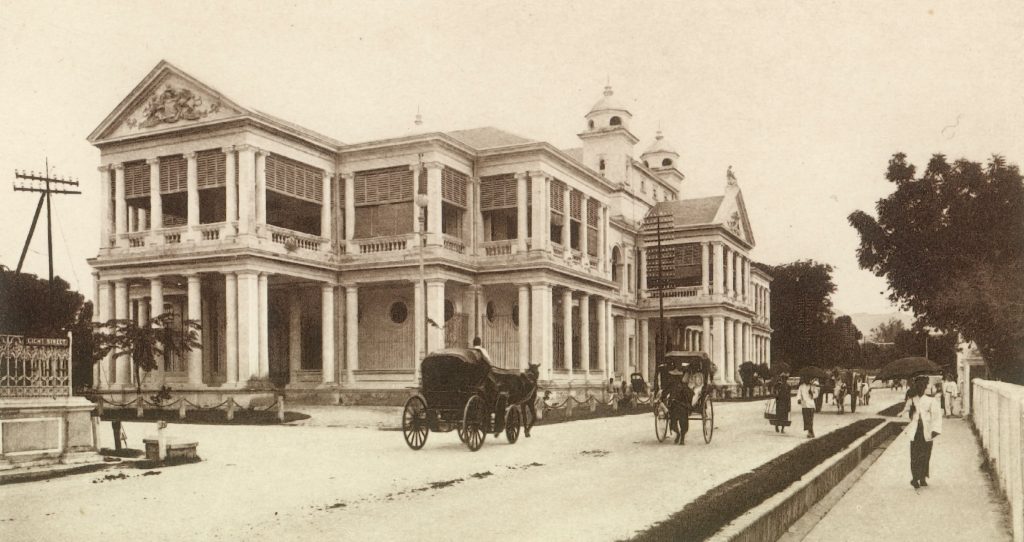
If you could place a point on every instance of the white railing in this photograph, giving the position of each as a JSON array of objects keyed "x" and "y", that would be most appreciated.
[
  {"x": 454, "y": 244},
  {"x": 293, "y": 240},
  {"x": 136, "y": 238},
  {"x": 998, "y": 415},
  {"x": 173, "y": 236},
  {"x": 382, "y": 244},
  {"x": 210, "y": 232},
  {"x": 31, "y": 367},
  {"x": 687, "y": 291},
  {"x": 498, "y": 248}
]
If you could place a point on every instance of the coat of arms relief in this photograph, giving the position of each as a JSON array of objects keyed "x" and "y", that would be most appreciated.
[{"x": 173, "y": 105}]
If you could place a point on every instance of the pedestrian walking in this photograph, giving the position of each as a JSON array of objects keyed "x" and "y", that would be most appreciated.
[
  {"x": 950, "y": 391},
  {"x": 806, "y": 395},
  {"x": 925, "y": 425},
  {"x": 782, "y": 403}
]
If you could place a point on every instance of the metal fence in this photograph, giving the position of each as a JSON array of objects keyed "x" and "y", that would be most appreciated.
[{"x": 34, "y": 367}]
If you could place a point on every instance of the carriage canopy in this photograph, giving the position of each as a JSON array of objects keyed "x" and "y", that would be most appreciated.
[{"x": 454, "y": 369}]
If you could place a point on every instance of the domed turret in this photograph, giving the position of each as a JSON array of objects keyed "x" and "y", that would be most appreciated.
[
  {"x": 660, "y": 154},
  {"x": 608, "y": 112}
]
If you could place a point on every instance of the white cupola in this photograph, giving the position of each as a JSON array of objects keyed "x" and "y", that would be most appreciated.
[
  {"x": 607, "y": 141},
  {"x": 663, "y": 160},
  {"x": 608, "y": 113}
]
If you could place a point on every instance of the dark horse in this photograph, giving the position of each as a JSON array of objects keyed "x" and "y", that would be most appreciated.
[{"x": 512, "y": 388}]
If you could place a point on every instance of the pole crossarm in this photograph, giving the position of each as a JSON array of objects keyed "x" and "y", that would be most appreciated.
[{"x": 43, "y": 185}]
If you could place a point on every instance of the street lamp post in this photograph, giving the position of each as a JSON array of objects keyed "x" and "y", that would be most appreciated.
[{"x": 421, "y": 201}]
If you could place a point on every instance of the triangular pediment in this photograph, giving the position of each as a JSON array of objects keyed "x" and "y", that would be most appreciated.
[
  {"x": 732, "y": 214},
  {"x": 166, "y": 99}
]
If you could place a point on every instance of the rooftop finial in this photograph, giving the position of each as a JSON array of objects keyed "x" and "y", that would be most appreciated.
[
  {"x": 608, "y": 86},
  {"x": 419, "y": 118},
  {"x": 730, "y": 178},
  {"x": 659, "y": 136}
]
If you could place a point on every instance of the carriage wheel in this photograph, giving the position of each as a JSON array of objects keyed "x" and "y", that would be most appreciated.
[
  {"x": 512, "y": 425},
  {"x": 474, "y": 428},
  {"x": 660, "y": 421},
  {"x": 414, "y": 423},
  {"x": 707, "y": 416}
]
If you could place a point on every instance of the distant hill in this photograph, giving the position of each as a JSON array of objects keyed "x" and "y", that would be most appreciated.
[{"x": 865, "y": 322}]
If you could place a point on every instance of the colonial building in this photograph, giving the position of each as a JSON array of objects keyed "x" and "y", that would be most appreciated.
[{"x": 326, "y": 268}]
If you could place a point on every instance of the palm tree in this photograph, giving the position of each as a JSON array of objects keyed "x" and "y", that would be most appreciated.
[{"x": 159, "y": 337}]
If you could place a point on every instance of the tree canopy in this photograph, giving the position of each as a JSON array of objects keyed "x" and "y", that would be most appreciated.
[
  {"x": 950, "y": 244},
  {"x": 28, "y": 307}
]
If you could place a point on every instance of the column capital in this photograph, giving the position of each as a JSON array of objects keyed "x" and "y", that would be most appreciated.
[
  {"x": 538, "y": 174},
  {"x": 476, "y": 288},
  {"x": 261, "y": 153},
  {"x": 228, "y": 149},
  {"x": 347, "y": 175},
  {"x": 118, "y": 166},
  {"x": 521, "y": 175},
  {"x": 190, "y": 155},
  {"x": 246, "y": 148},
  {"x": 105, "y": 168},
  {"x": 433, "y": 165},
  {"x": 434, "y": 280},
  {"x": 153, "y": 161},
  {"x": 327, "y": 286},
  {"x": 349, "y": 285}
]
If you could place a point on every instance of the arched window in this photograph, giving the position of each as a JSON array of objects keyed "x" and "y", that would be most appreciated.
[
  {"x": 616, "y": 265},
  {"x": 666, "y": 162},
  {"x": 490, "y": 311},
  {"x": 590, "y": 124},
  {"x": 600, "y": 164},
  {"x": 399, "y": 312},
  {"x": 615, "y": 121}
]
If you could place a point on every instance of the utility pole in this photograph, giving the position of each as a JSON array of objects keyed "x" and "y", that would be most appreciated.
[{"x": 44, "y": 185}]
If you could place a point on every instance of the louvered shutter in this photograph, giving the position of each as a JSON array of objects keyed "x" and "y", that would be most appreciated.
[
  {"x": 557, "y": 196},
  {"x": 211, "y": 169},
  {"x": 136, "y": 179},
  {"x": 453, "y": 186},
  {"x": 173, "y": 174},
  {"x": 386, "y": 185},
  {"x": 293, "y": 178},
  {"x": 576, "y": 205}
]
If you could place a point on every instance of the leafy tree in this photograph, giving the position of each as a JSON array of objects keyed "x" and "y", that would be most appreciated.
[
  {"x": 950, "y": 244},
  {"x": 887, "y": 332},
  {"x": 161, "y": 336},
  {"x": 801, "y": 313},
  {"x": 28, "y": 305}
]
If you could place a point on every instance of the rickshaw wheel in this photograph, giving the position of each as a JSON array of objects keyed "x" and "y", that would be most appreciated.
[
  {"x": 473, "y": 426},
  {"x": 707, "y": 415},
  {"x": 415, "y": 428},
  {"x": 512, "y": 423},
  {"x": 660, "y": 421}
]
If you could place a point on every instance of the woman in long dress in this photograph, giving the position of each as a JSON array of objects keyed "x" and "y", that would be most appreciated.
[{"x": 782, "y": 404}]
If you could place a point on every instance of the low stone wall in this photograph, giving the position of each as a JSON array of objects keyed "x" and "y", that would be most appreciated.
[
  {"x": 773, "y": 517},
  {"x": 45, "y": 431},
  {"x": 998, "y": 417}
]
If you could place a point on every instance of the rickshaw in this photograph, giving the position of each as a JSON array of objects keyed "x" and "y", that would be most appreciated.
[{"x": 695, "y": 370}]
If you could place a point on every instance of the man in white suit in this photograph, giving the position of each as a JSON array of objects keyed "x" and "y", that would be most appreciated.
[{"x": 925, "y": 424}]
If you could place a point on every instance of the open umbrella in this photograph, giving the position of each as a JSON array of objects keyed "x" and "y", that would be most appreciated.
[
  {"x": 908, "y": 367},
  {"x": 811, "y": 371}
]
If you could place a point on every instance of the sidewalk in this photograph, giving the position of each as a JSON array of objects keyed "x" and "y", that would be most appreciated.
[{"x": 958, "y": 504}]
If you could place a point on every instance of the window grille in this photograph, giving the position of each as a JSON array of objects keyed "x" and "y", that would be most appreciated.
[
  {"x": 136, "y": 179},
  {"x": 173, "y": 174},
  {"x": 593, "y": 208},
  {"x": 453, "y": 186},
  {"x": 211, "y": 168},
  {"x": 576, "y": 205},
  {"x": 387, "y": 185},
  {"x": 680, "y": 265},
  {"x": 295, "y": 179}
]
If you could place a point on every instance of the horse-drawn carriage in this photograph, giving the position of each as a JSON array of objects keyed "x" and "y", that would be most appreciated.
[
  {"x": 461, "y": 391},
  {"x": 693, "y": 374}
]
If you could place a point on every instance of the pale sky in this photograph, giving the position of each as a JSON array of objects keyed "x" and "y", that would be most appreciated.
[{"x": 806, "y": 100}]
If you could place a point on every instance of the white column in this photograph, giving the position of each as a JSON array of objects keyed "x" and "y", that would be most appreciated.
[
  {"x": 602, "y": 225},
  {"x": 643, "y": 348},
  {"x": 718, "y": 347},
  {"x": 132, "y": 222},
  {"x": 768, "y": 350},
  {"x": 156, "y": 297},
  {"x": 327, "y": 332},
  {"x": 325, "y": 209},
  {"x": 642, "y": 269},
  {"x": 261, "y": 186},
  {"x": 230, "y": 186},
  {"x": 737, "y": 350},
  {"x": 434, "y": 203},
  {"x": 768, "y": 305},
  {"x": 541, "y": 340},
  {"x": 704, "y": 268},
  {"x": 584, "y": 229},
  {"x": 103, "y": 312},
  {"x": 246, "y": 189},
  {"x": 416, "y": 180},
  {"x": 567, "y": 330},
  {"x": 727, "y": 276},
  {"x": 566, "y": 220},
  {"x": 120, "y": 206},
  {"x": 602, "y": 335},
  {"x": 747, "y": 342},
  {"x": 231, "y": 327},
  {"x": 195, "y": 312},
  {"x": 105, "y": 211},
  {"x": 609, "y": 321},
  {"x": 435, "y": 311},
  {"x": 248, "y": 325},
  {"x": 350, "y": 209},
  {"x": 352, "y": 330},
  {"x": 736, "y": 274},
  {"x": 122, "y": 363},
  {"x": 585, "y": 333},
  {"x": 156, "y": 208},
  {"x": 294, "y": 336},
  {"x": 521, "y": 209},
  {"x": 192, "y": 184},
  {"x": 524, "y": 325},
  {"x": 264, "y": 331},
  {"x": 729, "y": 348},
  {"x": 143, "y": 224},
  {"x": 419, "y": 303},
  {"x": 719, "y": 271},
  {"x": 541, "y": 212},
  {"x": 747, "y": 298}
]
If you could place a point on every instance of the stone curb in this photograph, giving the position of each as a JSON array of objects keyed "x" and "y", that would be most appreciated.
[{"x": 773, "y": 517}]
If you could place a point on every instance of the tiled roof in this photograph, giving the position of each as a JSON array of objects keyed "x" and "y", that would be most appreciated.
[
  {"x": 487, "y": 137},
  {"x": 575, "y": 153},
  {"x": 689, "y": 212}
]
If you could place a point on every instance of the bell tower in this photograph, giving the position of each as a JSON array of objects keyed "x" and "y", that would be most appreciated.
[
  {"x": 663, "y": 160},
  {"x": 607, "y": 141}
]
